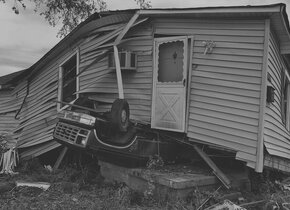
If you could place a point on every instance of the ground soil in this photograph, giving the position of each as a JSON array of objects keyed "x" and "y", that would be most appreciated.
[{"x": 82, "y": 187}]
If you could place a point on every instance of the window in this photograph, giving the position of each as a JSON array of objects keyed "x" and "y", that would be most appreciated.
[
  {"x": 285, "y": 99},
  {"x": 68, "y": 80},
  {"x": 170, "y": 62}
]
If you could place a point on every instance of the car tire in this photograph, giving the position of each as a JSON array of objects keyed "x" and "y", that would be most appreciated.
[{"x": 120, "y": 114}]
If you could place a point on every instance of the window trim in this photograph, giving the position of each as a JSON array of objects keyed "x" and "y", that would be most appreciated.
[
  {"x": 60, "y": 78},
  {"x": 285, "y": 82}
]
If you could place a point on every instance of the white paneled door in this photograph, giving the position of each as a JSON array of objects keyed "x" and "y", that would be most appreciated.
[{"x": 169, "y": 83}]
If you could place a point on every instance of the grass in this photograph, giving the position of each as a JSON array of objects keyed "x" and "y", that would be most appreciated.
[{"x": 75, "y": 187}]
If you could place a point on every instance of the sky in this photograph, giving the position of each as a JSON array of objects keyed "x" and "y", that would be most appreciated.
[{"x": 26, "y": 37}]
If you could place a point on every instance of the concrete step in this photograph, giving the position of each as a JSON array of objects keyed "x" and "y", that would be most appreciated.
[{"x": 164, "y": 185}]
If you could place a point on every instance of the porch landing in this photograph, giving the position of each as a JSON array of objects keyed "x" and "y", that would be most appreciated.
[{"x": 162, "y": 184}]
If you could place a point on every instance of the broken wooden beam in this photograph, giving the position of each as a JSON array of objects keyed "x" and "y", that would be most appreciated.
[
  {"x": 41, "y": 185},
  {"x": 219, "y": 174},
  {"x": 60, "y": 158}
]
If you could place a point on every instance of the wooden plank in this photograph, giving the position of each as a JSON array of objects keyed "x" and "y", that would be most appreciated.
[
  {"x": 127, "y": 27},
  {"x": 224, "y": 83},
  {"x": 225, "y": 116},
  {"x": 60, "y": 158},
  {"x": 219, "y": 121},
  {"x": 186, "y": 31},
  {"x": 215, "y": 24},
  {"x": 220, "y": 143},
  {"x": 275, "y": 133},
  {"x": 231, "y": 64},
  {"x": 260, "y": 138},
  {"x": 229, "y": 57},
  {"x": 232, "y": 51},
  {"x": 226, "y": 96},
  {"x": 220, "y": 175},
  {"x": 221, "y": 102},
  {"x": 229, "y": 90},
  {"x": 188, "y": 79},
  {"x": 205, "y": 21},
  {"x": 239, "y": 141},
  {"x": 228, "y": 77},
  {"x": 233, "y": 110},
  {"x": 249, "y": 138},
  {"x": 118, "y": 73}
]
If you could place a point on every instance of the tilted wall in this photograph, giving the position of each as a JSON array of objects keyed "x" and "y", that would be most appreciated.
[{"x": 225, "y": 84}]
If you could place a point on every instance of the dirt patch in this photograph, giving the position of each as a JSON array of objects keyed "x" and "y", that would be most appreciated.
[{"x": 74, "y": 187}]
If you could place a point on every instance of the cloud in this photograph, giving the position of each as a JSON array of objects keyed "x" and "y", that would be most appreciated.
[
  {"x": 20, "y": 58},
  {"x": 26, "y": 37}
]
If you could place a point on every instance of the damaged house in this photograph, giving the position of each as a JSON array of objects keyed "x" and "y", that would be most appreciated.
[{"x": 213, "y": 76}]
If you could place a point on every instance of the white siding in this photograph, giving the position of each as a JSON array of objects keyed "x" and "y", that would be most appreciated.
[
  {"x": 226, "y": 84},
  {"x": 101, "y": 84},
  {"x": 276, "y": 136}
]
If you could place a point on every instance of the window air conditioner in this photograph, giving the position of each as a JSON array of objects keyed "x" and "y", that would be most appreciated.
[{"x": 128, "y": 60}]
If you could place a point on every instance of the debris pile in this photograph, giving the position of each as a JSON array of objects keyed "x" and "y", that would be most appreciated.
[{"x": 9, "y": 155}]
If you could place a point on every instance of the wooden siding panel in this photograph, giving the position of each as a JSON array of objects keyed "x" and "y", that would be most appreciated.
[
  {"x": 100, "y": 82},
  {"x": 276, "y": 136},
  {"x": 225, "y": 84}
]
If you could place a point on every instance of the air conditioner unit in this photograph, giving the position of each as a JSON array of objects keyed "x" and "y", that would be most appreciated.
[{"x": 128, "y": 60}]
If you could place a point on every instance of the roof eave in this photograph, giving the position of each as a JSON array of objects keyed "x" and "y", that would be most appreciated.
[{"x": 215, "y": 10}]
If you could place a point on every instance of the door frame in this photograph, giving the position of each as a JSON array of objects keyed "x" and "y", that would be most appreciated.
[{"x": 188, "y": 53}]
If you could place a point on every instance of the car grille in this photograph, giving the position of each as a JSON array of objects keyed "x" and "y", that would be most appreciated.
[{"x": 71, "y": 133}]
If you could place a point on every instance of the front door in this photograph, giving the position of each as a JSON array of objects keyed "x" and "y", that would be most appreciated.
[{"x": 169, "y": 83}]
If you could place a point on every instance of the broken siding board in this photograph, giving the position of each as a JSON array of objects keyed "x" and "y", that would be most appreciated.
[
  {"x": 236, "y": 134},
  {"x": 230, "y": 64},
  {"x": 235, "y": 91},
  {"x": 100, "y": 83},
  {"x": 38, "y": 111},
  {"x": 224, "y": 83},
  {"x": 235, "y": 110},
  {"x": 234, "y": 45},
  {"x": 38, "y": 116},
  {"x": 213, "y": 31},
  {"x": 212, "y": 139},
  {"x": 231, "y": 51},
  {"x": 228, "y": 77},
  {"x": 277, "y": 163},
  {"x": 250, "y": 158},
  {"x": 38, "y": 140},
  {"x": 98, "y": 41},
  {"x": 28, "y": 134},
  {"x": 221, "y": 121},
  {"x": 234, "y": 39},
  {"x": 243, "y": 23},
  {"x": 229, "y": 97},
  {"x": 213, "y": 100},
  {"x": 51, "y": 113},
  {"x": 229, "y": 57},
  {"x": 38, "y": 150}
]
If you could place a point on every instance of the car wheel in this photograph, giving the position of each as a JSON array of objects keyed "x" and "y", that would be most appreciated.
[{"x": 120, "y": 114}]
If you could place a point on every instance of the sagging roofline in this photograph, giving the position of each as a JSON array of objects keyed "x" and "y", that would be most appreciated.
[{"x": 99, "y": 20}]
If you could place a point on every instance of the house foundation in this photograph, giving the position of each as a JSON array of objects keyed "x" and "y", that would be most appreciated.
[{"x": 165, "y": 184}]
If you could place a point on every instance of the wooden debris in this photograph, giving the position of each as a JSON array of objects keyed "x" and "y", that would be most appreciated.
[
  {"x": 42, "y": 185},
  {"x": 253, "y": 204},
  {"x": 220, "y": 175},
  {"x": 8, "y": 161},
  {"x": 60, "y": 158}
]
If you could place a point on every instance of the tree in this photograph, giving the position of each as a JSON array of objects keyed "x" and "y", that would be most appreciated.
[{"x": 69, "y": 12}]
